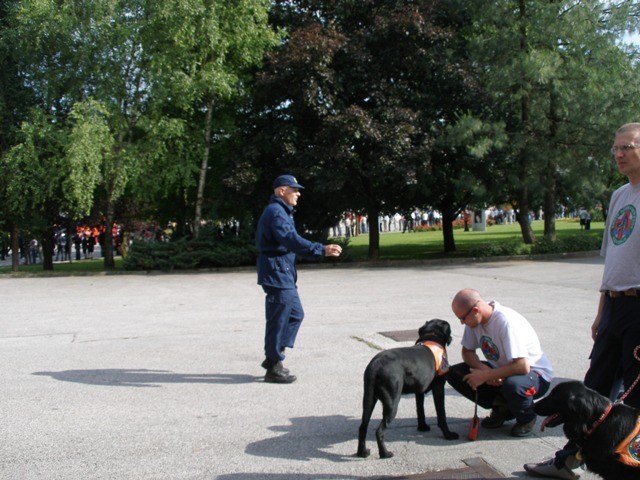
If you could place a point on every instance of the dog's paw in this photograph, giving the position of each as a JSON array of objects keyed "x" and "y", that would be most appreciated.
[
  {"x": 451, "y": 435},
  {"x": 364, "y": 453},
  {"x": 424, "y": 427}
]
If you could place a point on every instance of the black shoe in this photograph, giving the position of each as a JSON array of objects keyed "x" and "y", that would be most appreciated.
[
  {"x": 278, "y": 375},
  {"x": 522, "y": 429},
  {"x": 497, "y": 418},
  {"x": 268, "y": 364}
]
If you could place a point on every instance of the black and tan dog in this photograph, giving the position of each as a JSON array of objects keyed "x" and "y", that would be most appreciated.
[
  {"x": 607, "y": 433},
  {"x": 417, "y": 369}
]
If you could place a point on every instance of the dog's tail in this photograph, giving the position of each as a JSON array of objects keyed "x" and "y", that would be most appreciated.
[{"x": 369, "y": 399}]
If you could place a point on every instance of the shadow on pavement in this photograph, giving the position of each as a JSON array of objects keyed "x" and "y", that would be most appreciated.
[
  {"x": 115, "y": 377},
  {"x": 287, "y": 476},
  {"x": 309, "y": 437}
]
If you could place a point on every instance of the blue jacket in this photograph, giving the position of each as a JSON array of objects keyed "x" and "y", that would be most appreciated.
[{"x": 278, "y": 244}]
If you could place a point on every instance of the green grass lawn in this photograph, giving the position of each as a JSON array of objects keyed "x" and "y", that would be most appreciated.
[{"x": 430, "y": 245}]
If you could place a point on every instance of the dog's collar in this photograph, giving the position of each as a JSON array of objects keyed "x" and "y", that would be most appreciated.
[
  {"x": 440, "y": 354},
  {"x": 601, "y": 419}
]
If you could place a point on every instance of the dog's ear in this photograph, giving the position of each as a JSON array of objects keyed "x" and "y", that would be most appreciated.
[
  {"x": 580, "y": 414},
  {"x": 447, "y": 331},
  {"x": 424, "y": 329}
]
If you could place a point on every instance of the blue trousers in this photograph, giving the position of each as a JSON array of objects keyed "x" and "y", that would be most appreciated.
[
  {"x": 518, "y": 390},
  {"x": 284, "y": 315}
]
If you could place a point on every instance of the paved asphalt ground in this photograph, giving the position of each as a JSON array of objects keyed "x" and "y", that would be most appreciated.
[{"x": 157, "y": 376}]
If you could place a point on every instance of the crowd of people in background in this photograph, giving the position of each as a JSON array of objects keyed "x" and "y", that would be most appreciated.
[
  {"x": 352, "y": 224},
  {"x": 68, "y": 244}
]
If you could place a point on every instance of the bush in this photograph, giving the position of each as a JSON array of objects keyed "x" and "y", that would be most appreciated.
[
  {"x": 189, "y": 254},
  {"x": 500, "y": 249},
  {"x": 575, "y": 243},
  {"x": 345, "y": 256}
]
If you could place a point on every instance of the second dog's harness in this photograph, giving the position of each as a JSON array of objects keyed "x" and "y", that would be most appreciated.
[
  {"x": 629, "y": 449},
  {"x": 440, "y": 354}
]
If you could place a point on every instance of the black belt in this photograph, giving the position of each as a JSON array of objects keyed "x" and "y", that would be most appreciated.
[{"x": 632, "y": 292}]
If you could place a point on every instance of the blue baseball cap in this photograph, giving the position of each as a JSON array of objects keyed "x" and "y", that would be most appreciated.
[{"x": 286, "y": 181}]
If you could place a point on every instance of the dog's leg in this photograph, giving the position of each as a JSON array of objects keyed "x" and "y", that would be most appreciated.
[
  {"x": 422, "y": 423},
  {"x": 438, "y": 399},
  {"x": 389, "y": 411},
  {"x": 368, "y": 403}
]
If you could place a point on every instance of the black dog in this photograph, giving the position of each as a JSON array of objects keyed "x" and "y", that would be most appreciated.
[
  {"x": 406, "y": 370},
  {"x": 608, "y": 434}
]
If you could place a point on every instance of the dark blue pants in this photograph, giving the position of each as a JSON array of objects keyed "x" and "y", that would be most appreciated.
[
  {"x": 284, "y": 314},
  {"x": 518, "y": 390},
  {"x": 612, "y": 357}
]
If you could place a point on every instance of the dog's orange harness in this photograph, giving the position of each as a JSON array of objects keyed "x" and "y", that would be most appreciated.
[
  {"x": 440, "y": 354},
  {"x": 629, "y": 449}
]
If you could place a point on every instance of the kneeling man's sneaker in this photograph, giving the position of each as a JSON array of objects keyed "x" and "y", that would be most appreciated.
[
  {"x": 498, "y": 416},
  {"x": 522, "y": 429},
  {"x": 548, "y": 469}
]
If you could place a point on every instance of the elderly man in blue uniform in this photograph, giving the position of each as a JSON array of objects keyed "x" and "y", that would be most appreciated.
[{"x": 278, "y": 245}]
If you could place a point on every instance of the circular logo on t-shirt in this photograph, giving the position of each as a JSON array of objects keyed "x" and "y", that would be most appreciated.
[
  {"x": 623, "y": 224},
  {"x": 489, "y": 349}
]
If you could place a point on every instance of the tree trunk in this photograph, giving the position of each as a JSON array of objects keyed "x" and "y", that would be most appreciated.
[
  {"x": 523, "y": 217},
  {"x": 107, "y": 243},
  {"x": 203, "y": 170},
  {"x": 523, "y": 193},
  {"x": 374, "y": 234},
  {"x": 15, "y": 248},
  {"x": 48, "y": 240},
  {"x": 447, "y": 231},
  {"x": 550, "y": 209},
  {"x": 551, "y": 183}
]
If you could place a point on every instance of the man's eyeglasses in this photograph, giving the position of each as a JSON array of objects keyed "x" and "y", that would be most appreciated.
[
  {"x": 623, "y": 148},
  {"x": 464, "y": 317}
]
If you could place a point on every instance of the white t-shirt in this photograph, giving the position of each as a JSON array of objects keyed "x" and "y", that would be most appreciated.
[
  {"x": 507, "y": 336},
  {"x": 621, "y": 241}
]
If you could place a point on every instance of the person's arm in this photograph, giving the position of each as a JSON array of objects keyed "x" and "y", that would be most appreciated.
[
  {"x": 470, "y": 357},
  {"x": 495, "y": 376},
  {"x": 332, "y": 250},
  {"x": 596, "y": 322},
  {"x": 284, "y": 233}
]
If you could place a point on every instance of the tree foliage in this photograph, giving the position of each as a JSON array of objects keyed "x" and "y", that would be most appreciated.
[
  {"x": 361, "y": 98},
  {"x": 120, "y": 83},
  {"x": 376, "y": 105}
]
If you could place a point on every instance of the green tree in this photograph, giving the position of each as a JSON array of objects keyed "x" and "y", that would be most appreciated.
[
  {"x": 202, "y": 51},
  {"x": 33, "y": 173},
  {"x": 357, "y": 99},
  {"x": 14, "y": 107},
  {"x": 555, "y": 75},
  {"x": 74, "y": 51}
]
